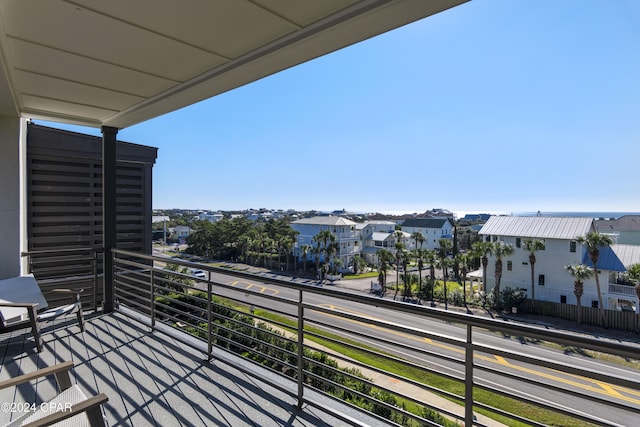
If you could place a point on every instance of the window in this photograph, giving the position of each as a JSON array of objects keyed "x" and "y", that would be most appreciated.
[
  {"x": 487, "y": 239},
  {"x": 509, "y": 266},
  {"x": 572, "y": 246},
  {"x": 563, "y": 299},
  {"x": 518, "y": 242},
  {"x": 594, "y": 303},
  {"x": 540, "y": 279}
]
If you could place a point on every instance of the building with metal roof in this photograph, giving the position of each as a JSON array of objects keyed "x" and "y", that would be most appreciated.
[{"x": 551, "y": 280}]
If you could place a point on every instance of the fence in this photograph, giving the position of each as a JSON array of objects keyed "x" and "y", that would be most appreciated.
[{"x": 621, "y": 320}]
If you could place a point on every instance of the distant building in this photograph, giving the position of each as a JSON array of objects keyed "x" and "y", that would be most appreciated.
[
  {"x": 347, "y": 236},
  {"x": 552, "y": 282},
  {"x": 433, "y": 229},
  {"x": 625, "y": 230},
  {"x": 211, "y": 217},
  {"x": 477, "y": 217}
]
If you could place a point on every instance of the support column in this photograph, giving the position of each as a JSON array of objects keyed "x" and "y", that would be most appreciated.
[{"x": 108, "y": 211}]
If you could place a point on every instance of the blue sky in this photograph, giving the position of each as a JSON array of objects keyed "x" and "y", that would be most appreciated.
[{"x": 494, "y": 106}]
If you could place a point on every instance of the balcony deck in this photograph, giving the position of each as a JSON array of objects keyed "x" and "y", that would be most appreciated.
[{"x": 154, "y": 379}]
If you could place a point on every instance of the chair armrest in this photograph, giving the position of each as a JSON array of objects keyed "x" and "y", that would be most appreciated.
[
  {"x": 51, "y": 370},
  {"x": 91, "y": 406},
  {"x": 18, "y": 304}
]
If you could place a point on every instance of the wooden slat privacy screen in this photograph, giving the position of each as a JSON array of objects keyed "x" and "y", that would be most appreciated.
[{"x": 64, "y": 196}]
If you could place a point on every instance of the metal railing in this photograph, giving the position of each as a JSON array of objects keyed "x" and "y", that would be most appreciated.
[
  {"x": 279, "y": 324},
  {"x": 68, "y": 268}
]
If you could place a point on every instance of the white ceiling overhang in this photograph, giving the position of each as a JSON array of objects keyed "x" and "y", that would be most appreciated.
[{"x": 120, "y": 62}]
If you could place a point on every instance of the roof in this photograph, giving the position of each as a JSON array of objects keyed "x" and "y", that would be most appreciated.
[
  {"x": 538, "y": 227},
  {"x": 624, "y": 223},
  {"x": 362, "y": 225},
  {"x": 119, "y": 63},
  {"x": 627, "y": 254},
  {"x": 325, "y": 220},
  {"x": 607, "y": 260},
  {"x": 379, "y": 236},
  {"x": 426, "y": 222}
]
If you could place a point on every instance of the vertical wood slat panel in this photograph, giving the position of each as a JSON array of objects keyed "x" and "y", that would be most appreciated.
[{"x": 64, "y": 197}]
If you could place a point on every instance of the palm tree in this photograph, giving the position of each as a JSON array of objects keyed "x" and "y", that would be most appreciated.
[
  {"x": 532, "y": 246},
  {"x": 418, "y": 238},
  {"x": 593, "y": 242},
  {"x": 418, "y": 255},
  {"x": 305, "y": 249},
  {"x": 580, "y": 273},
  {"x": 384, "y": 258},
  {"x": 445, "y": 263},
  {"x": 399, "y": 249},
  {"x": 431, "y": 256},
  {"x": 405, "y": 257},
  {"x": 463, "y": 261},
  {"x": 500, "y": 250},
  {"x": 482, "y": 249},
  {"x": 634, "y": 275}
]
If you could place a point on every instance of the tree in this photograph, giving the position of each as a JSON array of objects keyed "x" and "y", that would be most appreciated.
[
  {"x": 464, "y": 262},
  {"x": 593, "y": 241},
  {"x": 532, "y": 246},
  {"x": 305, "y": 249},
  {"x": 384, "y": 258},
  {"x": 634, "y": 275},
  {"x": 418, "y": 238},
  {"x": 399, "y": 249},
  {"x": 580, "y": 273},
  {"x": 418, "y": 253},
  {"x": 324, "y": 239},
  {"x": 445, "y": 263},
  {"x": 431, "y": 256},
  {"x": 358, "y": 264},
  {"x": 500, "y": 250},
  {"x": 482, "y": 249},
  {"x": 405, "y": 257}
]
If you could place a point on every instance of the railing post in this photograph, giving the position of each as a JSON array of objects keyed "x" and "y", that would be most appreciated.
[
  {"x": 109, "y": 212},
  {"x": 152, "y": 289},
  {"x": 468, "y": 379},
  {"x": 300, "y": 349},
  {"x": 209, "y": 316},
  {"x": 94, "y": 265}
]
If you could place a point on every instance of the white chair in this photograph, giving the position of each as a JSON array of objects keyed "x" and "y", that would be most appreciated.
[
  {"x": 71, "y": 407},
  {"x": 22, "y": 306}
]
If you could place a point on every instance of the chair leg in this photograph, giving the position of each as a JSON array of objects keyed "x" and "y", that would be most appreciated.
[
  {"x": 80, "y": 319},
  {"x": 35, "y": 327}
]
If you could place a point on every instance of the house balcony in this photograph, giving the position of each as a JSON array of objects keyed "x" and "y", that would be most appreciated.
[
  {"x": 622, "y": 290},
  {"x": 244, "y": 349}
]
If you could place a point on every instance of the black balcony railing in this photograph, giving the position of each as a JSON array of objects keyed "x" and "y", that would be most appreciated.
[
  {"x": 503, "y": 370},
  {"x": 68, "y": 268}
]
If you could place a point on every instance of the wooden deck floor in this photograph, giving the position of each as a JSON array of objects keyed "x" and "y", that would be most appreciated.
[{"x": 156, "y": 380}]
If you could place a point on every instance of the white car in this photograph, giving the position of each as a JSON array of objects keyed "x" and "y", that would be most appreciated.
[{"x": 198, "y": 273}]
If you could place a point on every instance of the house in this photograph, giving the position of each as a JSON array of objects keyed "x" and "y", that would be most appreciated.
[
  {"x": 369, "y": 227},
  {"x": 347, "y": 236},
  {"x": 210, "y": 216},
  {"x": 181, "y": 232},
  {"x": 551, "y": 281},
  {"x": 433, "y": 229},
  {"x": 625, "y": 230}
]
